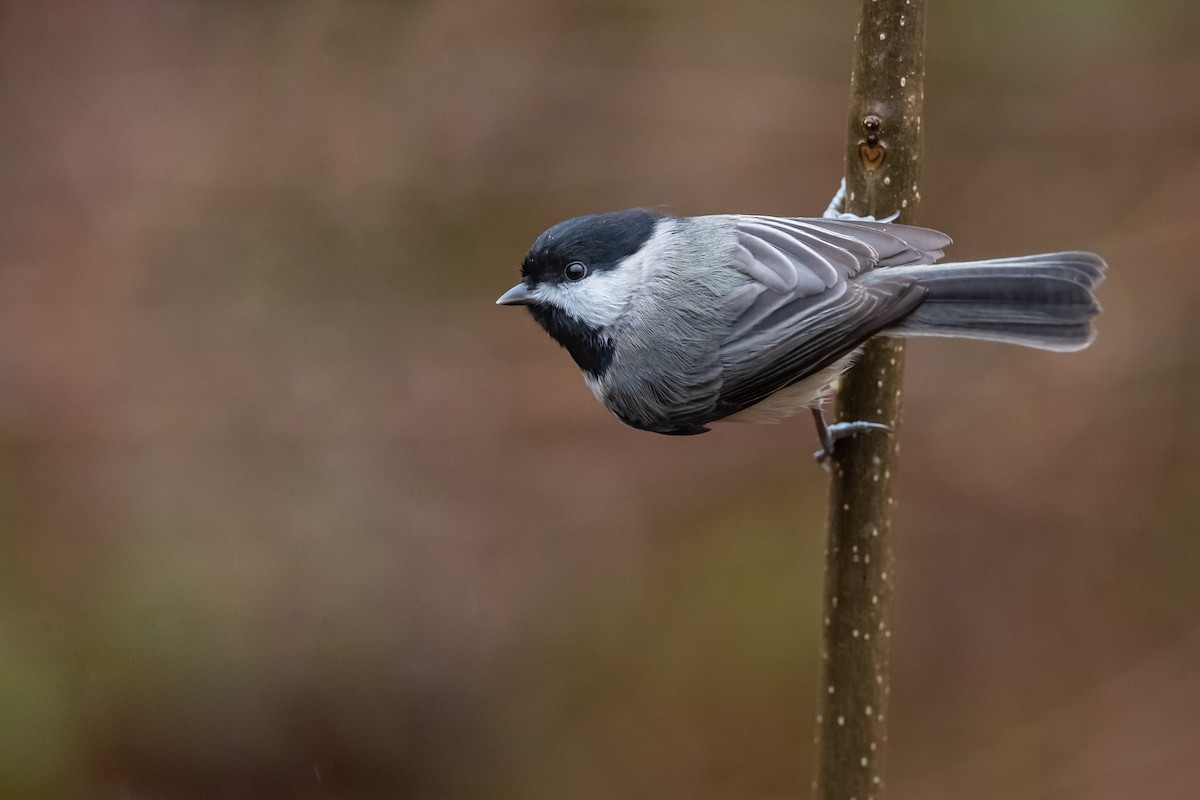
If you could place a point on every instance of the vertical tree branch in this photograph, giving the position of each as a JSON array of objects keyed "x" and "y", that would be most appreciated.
[{"x": 882, "y": 172}]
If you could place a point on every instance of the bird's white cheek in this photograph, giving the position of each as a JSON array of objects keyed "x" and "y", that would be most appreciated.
[{"x": 597, "y": 301}]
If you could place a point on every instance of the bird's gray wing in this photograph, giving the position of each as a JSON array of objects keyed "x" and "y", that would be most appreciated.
[
  {"x": 802, "y": 311},
  {"x": 806, "y": 255}
]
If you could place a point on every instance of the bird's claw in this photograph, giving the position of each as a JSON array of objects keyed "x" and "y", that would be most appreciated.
[
  {"x": 829, "y": 435},
  {"x": 836, "y": 207}
]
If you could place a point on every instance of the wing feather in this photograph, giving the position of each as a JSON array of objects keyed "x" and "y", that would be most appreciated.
[
  {"x": 806, "y": 312},
  {"x": 756, "y": 367}
]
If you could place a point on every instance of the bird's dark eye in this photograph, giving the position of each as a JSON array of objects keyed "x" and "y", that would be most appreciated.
[{"x": 575, "y": 271}]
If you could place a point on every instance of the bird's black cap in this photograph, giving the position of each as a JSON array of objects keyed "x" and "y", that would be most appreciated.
[{"x": 600, "y": 241}]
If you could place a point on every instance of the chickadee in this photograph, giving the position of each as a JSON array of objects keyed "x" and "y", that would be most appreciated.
[{"x": 678, "y": 322}]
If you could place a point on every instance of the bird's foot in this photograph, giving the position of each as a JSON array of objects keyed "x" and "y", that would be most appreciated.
[
  {"x": 829, "y": 435},
  {"x": 837, "y": 206}
]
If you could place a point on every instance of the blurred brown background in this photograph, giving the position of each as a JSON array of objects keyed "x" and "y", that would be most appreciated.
[{"x": 289, "y": 509}]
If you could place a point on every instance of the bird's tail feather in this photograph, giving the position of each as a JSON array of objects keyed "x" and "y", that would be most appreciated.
[{"x": 1044, "y": 301}]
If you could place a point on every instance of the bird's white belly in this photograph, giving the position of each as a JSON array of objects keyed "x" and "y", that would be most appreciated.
[{"x": 808, "y": 393}]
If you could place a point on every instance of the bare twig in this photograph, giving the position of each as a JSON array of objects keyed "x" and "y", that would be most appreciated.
[{"x": 882, "y": 170}]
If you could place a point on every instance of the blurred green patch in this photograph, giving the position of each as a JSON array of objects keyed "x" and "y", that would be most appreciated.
[
  {"x": 701, "y": 667},
  {"x": 40, "y": 720}
]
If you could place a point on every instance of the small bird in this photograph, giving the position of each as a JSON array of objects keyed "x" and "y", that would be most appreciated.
[{"x": 678, "y": 322}]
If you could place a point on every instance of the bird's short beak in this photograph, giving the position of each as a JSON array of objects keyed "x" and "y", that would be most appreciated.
[{"x": 516, "y": 296}]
